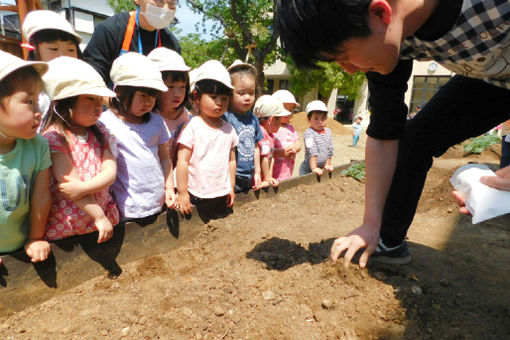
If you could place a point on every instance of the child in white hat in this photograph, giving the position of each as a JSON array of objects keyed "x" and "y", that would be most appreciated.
[
  {"x": 144, "y": 169},
  {"x": 24, "y": 159},
  {"x": 83, "y": 165},
  {"x": 206, "y": 162},
  {"x": 239, "y": 114},
  {"x": 269, "y": 111},
  {"x": 318, "y": 140},
  {"x": 287, "y": 139},
  {"x": 171, "y": 104}
]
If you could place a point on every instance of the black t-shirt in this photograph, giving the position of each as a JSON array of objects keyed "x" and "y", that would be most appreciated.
[
  {"x": 389, "y": 111},
  {"x": 106, "y": 42}
]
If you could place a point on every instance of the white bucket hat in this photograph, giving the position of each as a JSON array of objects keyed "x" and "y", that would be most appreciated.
[
  {"x": 69, "y": 77},
  {"x": 168, "y": 60},
  {"x": 10, "y": 63},
  {"x": 134, "y": 69},
  {"x": 285, "y": 96},
  {"x": 267, "y": 106},
  {"x": 40, "y": 20},
  {"x": 213, "y": 70},
  {"x": 316, "y": 105},
  {"x": 239, "y": 64}
]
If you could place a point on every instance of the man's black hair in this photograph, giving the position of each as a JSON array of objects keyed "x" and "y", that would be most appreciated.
[{"x": 309, "y": 27}]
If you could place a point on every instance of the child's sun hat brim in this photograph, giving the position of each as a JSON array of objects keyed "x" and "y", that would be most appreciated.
[
  {"x": 316, "y": 105},
  {"x": 136, "y": 70},
  {"x": 285, "y": 96},
  {"x": 168, "y": 60},
  {"x": 41, "y": 20},
  {"x": 210, "y": 70},
  {"x": 10, "y": 63},
  {"x": 268, "y": 106}
]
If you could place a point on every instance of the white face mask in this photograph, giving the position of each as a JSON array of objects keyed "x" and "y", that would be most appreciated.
[{"x": 158, "y": 17}]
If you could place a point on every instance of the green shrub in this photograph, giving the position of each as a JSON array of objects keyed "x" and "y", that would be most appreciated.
[
  {"x": 480, "y": 144},
  {"x": 356, "y": 171}
]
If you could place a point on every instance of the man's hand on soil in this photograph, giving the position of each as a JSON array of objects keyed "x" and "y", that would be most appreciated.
[{"x": 364, "y": 236}]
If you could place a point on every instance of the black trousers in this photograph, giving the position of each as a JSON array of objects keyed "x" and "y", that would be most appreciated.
[{"x": 462, "y": 108}]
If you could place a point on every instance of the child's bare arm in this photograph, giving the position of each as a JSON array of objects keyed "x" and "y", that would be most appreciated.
[
  {"x": 166, "y": 164},
  {"x": 40, "y": 203},
  {"x": 328, "y": 165},
  {"x": 314, "y": 167},
  {"x": 264, "y": 167},
  {"x": 256, "y": 175},
  {"x": 183, "y": 199},
  {"x": 297, "y": 145},
  {"x": 232, "y": 167}
]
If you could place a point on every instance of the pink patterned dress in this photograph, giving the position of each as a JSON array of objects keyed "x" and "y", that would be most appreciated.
[{"x": 66, "y": 219}]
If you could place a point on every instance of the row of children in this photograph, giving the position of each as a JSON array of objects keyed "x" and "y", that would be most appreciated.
[{"x": 104, "y": 167}]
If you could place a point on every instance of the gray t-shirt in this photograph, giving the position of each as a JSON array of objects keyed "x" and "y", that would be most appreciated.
[{"x": 318, "y": 144}]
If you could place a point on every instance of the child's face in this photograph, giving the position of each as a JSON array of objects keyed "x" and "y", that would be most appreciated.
[
  {"x": 19, "y": 113},
  {"x": 285, "y": 119},
  {"x": 318, "y": 120},
  {"x": 266, "y": 123},
  {"x": 358, "y": 120},
  {"x": 289, "y": 107},
  {"x": 87, "y": 110},
  {"x": 51, "y": 50},
  {"x": 142, "y": 103},
  {"x": 212, "y": 105},
  {"x": 174, "y": 96},
  {"x": 244, "y": 92}
]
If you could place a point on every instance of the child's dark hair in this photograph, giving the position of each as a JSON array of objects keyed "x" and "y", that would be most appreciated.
[
  {"x": 49, "y": 36},
  {"x": 124, "y": 99},
  {"x": 8, "y": 85},
  {"x": 59, "y": 116},
  {"x": 209, "y": 86},
  {"x": 310, "y": 27},
  {"x": 309, "y": 114},
  {"x": 242, "y": 70},
  {"x": 175, "y": 76}
]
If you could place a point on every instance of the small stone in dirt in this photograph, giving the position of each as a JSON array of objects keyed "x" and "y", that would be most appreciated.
[
  {"x": 218, "y": 311},
  {"x": 277, "y": 301},
  {"x": 381, "y": 276},
  {"x": 444, "y": 282},
  {"x": 66, "y": 330},
  {"x": 268, "y": 295},
  {"x": 187, "y": 311},
  {"x": 327, "y": 304},
  {"x": 124, "y": 331},
  {"x": 104, "y": 332},
  {"x": 416, "y": 290},
  {"x": 449, "y": 210}
]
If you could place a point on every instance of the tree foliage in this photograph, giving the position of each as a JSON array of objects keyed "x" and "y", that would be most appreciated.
[
  {"x": 122, "y": 5},
  {"x": 325, "y": 78}
]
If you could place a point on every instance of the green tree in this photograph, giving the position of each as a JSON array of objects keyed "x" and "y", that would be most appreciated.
[
  {"x": 247, "y": 29},
  {"x": 196, "y": 51},
  {"x": 325, "y": 78},
  {"x": 122, "y": 5}
]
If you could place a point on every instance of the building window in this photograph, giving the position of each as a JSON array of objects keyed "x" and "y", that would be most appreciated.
[
  {"x": 284, "y": 84},
  {"x": 269, "y": 86},
  {"x": 424, "y": 87}
]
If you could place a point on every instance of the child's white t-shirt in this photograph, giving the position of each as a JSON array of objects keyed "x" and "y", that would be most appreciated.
[
  {"x": 139, "y": 189},
  {"x": 209, "y": 162}
]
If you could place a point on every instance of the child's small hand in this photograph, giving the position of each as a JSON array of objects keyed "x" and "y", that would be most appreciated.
[
  {"x": 328, "y": 167},
  {"x": 37, "y": 249},
  {"x": 183, "y": 203},
  {"x": 105, "y": 229},
  {"x": 274, "y": 182},
  {"x": 264, "y": 184},
  {"x": 256, "y": 181},
  {"x": 318, "y": 171},
  {"x": 72, "y": 188},
  {"x": 289, "y": 152},
  {"x": 231, "y": 198},
  {"x": 171, "y": 198}
]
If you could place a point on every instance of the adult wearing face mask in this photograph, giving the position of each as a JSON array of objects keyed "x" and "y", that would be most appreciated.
[{"x": 139, "y": 31}]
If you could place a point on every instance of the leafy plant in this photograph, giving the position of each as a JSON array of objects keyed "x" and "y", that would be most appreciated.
[
  {"x": 480, "y": 144},
  {"x": 356, "y": 171}
]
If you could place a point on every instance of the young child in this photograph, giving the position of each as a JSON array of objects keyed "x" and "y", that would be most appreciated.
[
  {"x": 24, "y": 159},
  {"x": 171, "y": 104},
  {"x": 287, "y": 139},
  {"x": 356, "y": 130},
  {"x": 246, "y": 125},
  {"x": 49, "y": 36},
  {"x": 318, "y": 140},
  {"x": 206, "y": 163},
  {"x": 83, "y": 165},
  {"x": 382, "y": 38},
  {"x": 144, "y": 169}
]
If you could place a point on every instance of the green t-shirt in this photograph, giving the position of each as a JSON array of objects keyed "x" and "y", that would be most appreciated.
[{"x": 18, "y": 170}]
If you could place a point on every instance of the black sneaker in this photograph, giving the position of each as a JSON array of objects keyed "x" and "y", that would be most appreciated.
[{"x": 391, "y": 255}]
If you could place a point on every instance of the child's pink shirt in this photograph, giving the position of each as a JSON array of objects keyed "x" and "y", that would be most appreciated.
[
  {"x": 66, "y": 219},
  {"x": 209, "y": 175},
  {"x": 283, "y": 167},
  {"x": 267, "y": 144}
]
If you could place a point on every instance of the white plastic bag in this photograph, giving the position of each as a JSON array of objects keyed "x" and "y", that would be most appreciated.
[{"x": 482, "y": 201}]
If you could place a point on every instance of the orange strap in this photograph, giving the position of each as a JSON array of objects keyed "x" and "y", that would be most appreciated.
[{"x": 130, "y": 29}]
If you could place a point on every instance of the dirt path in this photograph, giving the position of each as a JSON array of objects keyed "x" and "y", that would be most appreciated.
[{"x": 260, "y": 274}]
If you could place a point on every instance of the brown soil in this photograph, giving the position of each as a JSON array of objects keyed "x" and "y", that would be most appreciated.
[
  {"x": 300, "y": 123},
  {"x": 261, "y": 273}
]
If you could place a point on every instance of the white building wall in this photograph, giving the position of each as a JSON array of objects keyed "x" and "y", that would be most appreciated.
[{"x": 97, "y": 6}]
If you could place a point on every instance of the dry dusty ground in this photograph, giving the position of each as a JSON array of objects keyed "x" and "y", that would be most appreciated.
[{"x": 261, "y": 273}]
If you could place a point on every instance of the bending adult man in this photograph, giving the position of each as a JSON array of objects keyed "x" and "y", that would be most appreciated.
[
  {"x": 141, "y": 31},
  {"x": 381, "y": 38}
]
